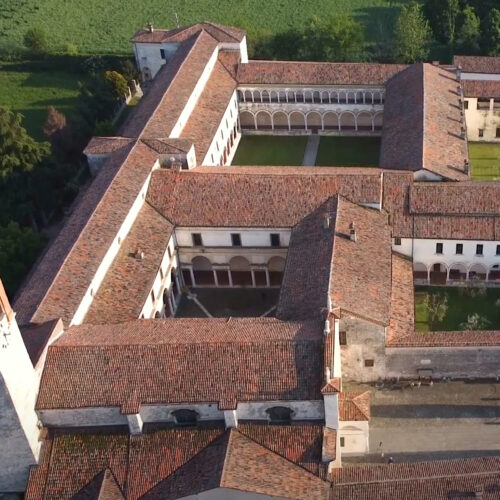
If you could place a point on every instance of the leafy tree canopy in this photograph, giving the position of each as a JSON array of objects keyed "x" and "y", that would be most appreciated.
[
  {"x": 35, "y": 40},
  {"x": 491, "y": 33},
  {"x": 469, "y": 33},
  {"x": 443, "y": 16}
]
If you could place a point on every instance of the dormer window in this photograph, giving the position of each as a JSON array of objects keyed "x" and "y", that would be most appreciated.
[
  {"x": 185, "y": 418},
  {"x": 279, "y": 415}
]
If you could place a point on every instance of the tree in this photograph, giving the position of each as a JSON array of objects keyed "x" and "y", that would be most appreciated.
[
  {"x": 412, "y": 34},
  {"x": 469, "y": 33},
  {"x": 117, "y": 83},
  {"x": 436, "y": 305},
  {"x": 18, "y": 151},
  {"x": 475, "y": 322},
  {"x": 35, "y": 40},
  {"x": 491, "y": 33},
  {"x": 443, "y": 16},
  {"x": 55, "y": 122},
  {"x": 18, "y": 249},
  {"x": 337, "y": 37}
]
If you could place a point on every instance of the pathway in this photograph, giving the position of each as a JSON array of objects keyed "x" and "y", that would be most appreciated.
[{"x": 311, "y": 150}]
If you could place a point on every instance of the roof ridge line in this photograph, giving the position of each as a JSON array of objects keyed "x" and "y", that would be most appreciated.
[{"x": 219, "y": 27}]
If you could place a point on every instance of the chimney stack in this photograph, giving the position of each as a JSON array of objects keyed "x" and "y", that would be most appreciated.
[
  {"x": 326, "y": 221},
  {"x": 352, "y": 232},
  {"x": 150, "y": 27}
]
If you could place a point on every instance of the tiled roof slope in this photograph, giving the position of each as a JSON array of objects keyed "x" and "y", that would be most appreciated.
[
  {"x": 315, "y": 73},
  {"x": 478, "y": 64},
  {"x": 422, "y": 127},
  {"x": 106, "y": 145},
  {"x": 128, "y": 281},
  {"x": 102, "y": 487},
  {"x": 73, "y": 460},
  {"x": 227, "y": 34},
  {"x": 356, "y": 286},
  {"x": 59, "y": 293},
  {"x": 420, "y": 481},
  {"x": 225, "y": 197},
  {"x": 481, "y": 88},
  {"x": 354, "y": 406},
  {"x": 244, "y": 359},
  {"x": 204, "y": 121},
  {"x": 395, "y": 201},
  {"x": 169, "y": 146},
  {"x": 304, "y": 291}
]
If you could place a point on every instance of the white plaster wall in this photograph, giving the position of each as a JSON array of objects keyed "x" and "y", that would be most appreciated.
[
  {"x": 148, "y": 55},
  {"x": 230, "y": 494},
  {"x": 163, "y": 413},
  {"x": 221, "y": 237},
  {"x": 302, "y": 410},
  {"x": 95, "y": 163},
  {"x": 331, "y": 408},
  {"x": 486, "y": 119},
  {"x": 356, "y": 437},
  {"x": 337, "y": 359},
  {"x": 111, "y": 253},
  {"x": 480, "y": 76},
  {"x": 19, "y": 445},
  {"x": 406, "y": 247},
  {"x": 82, "y": 417}
]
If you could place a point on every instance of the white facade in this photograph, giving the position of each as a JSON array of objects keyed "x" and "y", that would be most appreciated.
[
  {"x": 149, "y": 58},
  {"x": 354, "y": 437},
  {"x": 221, "y": 237},
  {"x": 483, "y": 119}
]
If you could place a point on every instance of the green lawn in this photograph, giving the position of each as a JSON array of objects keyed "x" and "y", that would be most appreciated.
[
  {"x": 31, "y": 93},
  {"x": 461, "y": 303},
  {"x": 485, "y": 161},
  {"x": 348, "y": 151},
  {"x": 106, "y": 27},
  {"x": 270, "y": 150}
]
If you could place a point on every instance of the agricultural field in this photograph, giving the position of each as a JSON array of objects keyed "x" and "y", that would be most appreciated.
[
  {"x": 106, "y": 27},
  {"x": 484, "y": 161}
]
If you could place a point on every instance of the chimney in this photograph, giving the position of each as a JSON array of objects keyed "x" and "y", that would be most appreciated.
[
  {"x": 326, "y": 221},
  {"x": 459, "y": 72},
  {"x": 326, "y": 331},
  {"x": 150, "y": 27},
  {"x": 466, "y": 166},
  {"x": 478, "y": 491},
  {"x": 352, "y": 232},
  {"x": 5, "y": 307},
  {"x": 139, "y": 254}
]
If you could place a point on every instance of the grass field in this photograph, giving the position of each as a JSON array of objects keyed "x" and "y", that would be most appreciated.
[
  {"x": 32, "y": 93},
  {"x": 484, "y": 161},
  {"x": 462, "y": 302},
  {"x": 106, "y": 27},
  {"x": 270, "y": 150},
  {"x": 348, "y": 151}
]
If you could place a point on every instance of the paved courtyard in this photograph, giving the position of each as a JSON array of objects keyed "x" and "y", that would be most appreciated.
[{"x": 446, "y": 420}]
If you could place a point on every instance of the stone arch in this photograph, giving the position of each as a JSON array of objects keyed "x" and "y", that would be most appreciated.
[
  {"x": 257, "y": 96},
  {"x": 280, "y": 120},
  {"x": 478, "y": 272},
  {"x": 364, "y": 121},
  {"x": 438, "y": 273},
  {"x": 297, "y": 120},
  {"x": 314, "y": 120},
  {"x": 350, "y": 97},
  {"x": 265, "y": 96},
  {"x": 325, "y": 96},
  {"x": 316, "y": 96},
  {"x": 248, "y": 96},
  {"x": 240, "y": 271},
  {"x": 331, "y": 121},
  {"x": 274, "y": 96},
  {"x": 457, "y": 272},
  {"x": 202, "y": 271},
  {"x": 276, "y": 267},
  {"x": 263, "y": 120},
  {"x": 335, "y": 97},
  {"x": 494, "y": 273},
  {"x": 378, "y": 119},
  {"x": 282, "y": 95},
  {"x": 347, "y": 121},
  {"x": 420, "y": 271},
  {"x": 247, "y": 120}
]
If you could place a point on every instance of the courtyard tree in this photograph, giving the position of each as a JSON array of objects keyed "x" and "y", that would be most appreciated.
[
  {"x": 475, "y": 322},
  {"x": 469, "y": 33},
  {"x": 443, "y": 16},
  {"x": 412, "y": 34},
  {"x": 436, "y": 305},
  {"x": 118, "y": 84},
  {"x": 18, "y": 151},
  {"x": 491, "y": 33},
  {"x": 35, "y": 40}
]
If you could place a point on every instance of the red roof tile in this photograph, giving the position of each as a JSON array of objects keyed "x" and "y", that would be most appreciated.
[
  {"x": 478, "y": 64},
  {"x": 354, "y": 406},
  {"x": 106, "y": 145},
  {"x": 481, "y": 88}
]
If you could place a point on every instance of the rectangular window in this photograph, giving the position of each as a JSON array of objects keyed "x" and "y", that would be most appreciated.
[
  {"x": 481, "y": 132},
  {"x": 498, "y": 133},
  {"x": 479, "y": 249},
  {"x": 343, "y": 338},
  {"x": 498, "y": 249},
  {"x": 369, "y": 363},
  {"x": 342, "y": 442},
  {"x": 439, "y": 248},
  {"x": 466, "y": 104},
  {"x": 197, "y": 242},
  {"x": 153, "y": 295},
  {"x": 236, "y": 239},
  {"x": 275, "y": 239},
  {"x": 162, "y": 54},
  {"x": 397, "y": 241},
  {"x": 460, "y": 249}
]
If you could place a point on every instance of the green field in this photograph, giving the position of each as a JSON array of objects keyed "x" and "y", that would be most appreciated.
[
  {"x": 348, "y": 151},
  {"x": 484, "y": 161},
  {"x": 31, "y": 93},
  {"x": 462, "y": 302},
  {"x": 106, "y": 27},
  {"x": 270, "y": 150}
]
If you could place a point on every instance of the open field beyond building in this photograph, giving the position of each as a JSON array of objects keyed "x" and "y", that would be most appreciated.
[
  {"x": 461, "y": 306},
  {"x": 485, "y": 161}
]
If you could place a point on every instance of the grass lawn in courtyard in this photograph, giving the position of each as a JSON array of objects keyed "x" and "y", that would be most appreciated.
[
  {"x": 461, "y": 303},
  {"x": 31, "y": 93},
  {"x": 348, "y": 151},
  {"x": 484, "y": 161},
  {"x": 270, "y": 150}
]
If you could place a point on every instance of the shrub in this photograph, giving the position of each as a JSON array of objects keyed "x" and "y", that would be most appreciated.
[
  {"x": 70, "y": 49},
  {"x": 35, "y": 40},
  {"x": 118, "y": 84}
]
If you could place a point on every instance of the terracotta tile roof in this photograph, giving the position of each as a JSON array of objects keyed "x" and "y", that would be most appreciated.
[
  {"x": 127, "y": 283},
  {"x": 237, "y": 199},
  {"x": 422, "y": 127},
  {"x": 230, "y": 60},
  {"x": 169, "y": 146},
  {"x": 332, "y": 386},
  {"x": 315, "y": 73},
  {"x": 396, "y": 188},
  {"x": 420, "y": 481},
  {"x": 242, "y": 359},
  {"x": 106, "y": 145},
  {"x": 354, "y": 406},
  {"x": 221, "y": 33},
  {"x": 206, "y": 117},
  {"x": 60, "y": 280},
  {"x": 168, "y": 460},
  {"x": 478, "y": 64},
  {"x": 102, "y": 487},
  {"x": 481, "y": 88},
  {"x": 457, "y": 227},
  {"x": 37, "y": 337}
]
